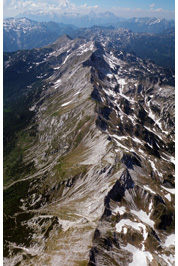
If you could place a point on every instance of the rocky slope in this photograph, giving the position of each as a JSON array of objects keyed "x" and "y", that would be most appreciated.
[{"x": 88, "y": 157}]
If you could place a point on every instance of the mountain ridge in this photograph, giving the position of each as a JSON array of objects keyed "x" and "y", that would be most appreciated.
[{"x": 101, "y": 139}]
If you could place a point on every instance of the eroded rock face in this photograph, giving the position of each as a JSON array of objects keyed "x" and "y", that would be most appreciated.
[{"x": 92, "y": 178}]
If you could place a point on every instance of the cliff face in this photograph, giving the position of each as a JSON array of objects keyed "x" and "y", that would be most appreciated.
[{"x": 88, "y": 160}]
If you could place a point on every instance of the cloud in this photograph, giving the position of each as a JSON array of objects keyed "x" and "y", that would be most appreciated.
[
  {"x": 64, "y": 3},
  {"x": 32, "y": 5},
  {"x": 58, "y": 6},
  {"x": 152, "y": 5},
  {"x": 159, "y": 10},
  {"x": 138, "y": 12},
  {"x": 85, "y": 6}
]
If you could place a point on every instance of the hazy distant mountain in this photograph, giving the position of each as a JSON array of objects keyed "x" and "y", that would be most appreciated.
[
  {"x": 26, "y": 34},
  {"x": 76, "y": 19},
  {"x": 145, "y": 24}
]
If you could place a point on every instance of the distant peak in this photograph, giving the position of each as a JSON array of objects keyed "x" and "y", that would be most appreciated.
[
  {"x": 60, "y": 41},
  {"x": 66, "y": 36},
  {"x": 92, "y": 13}
]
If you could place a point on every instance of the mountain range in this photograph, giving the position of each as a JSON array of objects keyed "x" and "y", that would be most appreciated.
[
  {"x": 145, "y": 24},
  {"x": 88, "y": 155},
  {"x": 159, "y": 48},
  {"x": 27, "y": 34},
  {"x": 77, "y": 19}
]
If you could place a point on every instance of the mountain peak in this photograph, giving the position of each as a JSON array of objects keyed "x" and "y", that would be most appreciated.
[{"x": 60, "y": 42}]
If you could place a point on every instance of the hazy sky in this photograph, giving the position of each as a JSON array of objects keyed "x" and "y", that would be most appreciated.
[{"x": 123, "y": 8}]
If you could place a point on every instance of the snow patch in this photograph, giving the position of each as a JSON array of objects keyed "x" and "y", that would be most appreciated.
[
  {"x": 155, "y": 169},
  {"x": 77, "y": 92},
  {"x": 110, "y": 76},
  {"x": 109, "y": 92},
  {"x": 121, "y": 210},
  {"x": 170, "y": 190},
  {"x": 168, "y": 196},
  {"x": 31, "y": 109},
  {"x": 137, "y": 140},
  {"x": 169, "y": 158},
  {"x": 56, "y": 68},
  {"x": 65, "y": 59},
  {"x": 119, "y": 137},
  {"x": 144, "y": 217},
  {"x": 58, "y": 81},
  {"x": 170, "y": 241},
  {"x": 121, "y": 146},
  {"x": 149, "y": 189},
  {"x": 137, "y": 226},
  {"x": 64, "y": 104},
  {"x": 84, "y": 48},
  {"x": 110, "y": 62},
  {"x": 153, "y": 165},
  {"x": 139, "y": 257}
]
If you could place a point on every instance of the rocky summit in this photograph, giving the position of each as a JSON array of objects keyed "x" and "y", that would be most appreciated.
[{"x": 88, "y": 157}]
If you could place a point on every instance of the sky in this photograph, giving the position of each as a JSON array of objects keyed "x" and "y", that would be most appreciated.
[{"x": 122, "y": 8}]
